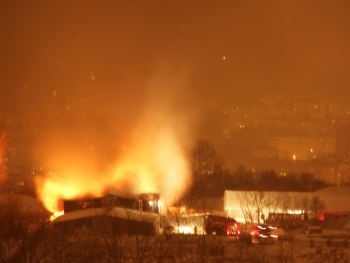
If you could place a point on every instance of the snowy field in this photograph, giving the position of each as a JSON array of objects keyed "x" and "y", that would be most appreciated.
[
  {"x": 329, "y": 246},
  {"x": 87, "y": 245}
]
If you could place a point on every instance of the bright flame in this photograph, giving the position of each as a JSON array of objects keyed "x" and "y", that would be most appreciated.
[
  {"x": 185, "y": 229},
  {"x": 155, "y": 160},
  {"x": 156, "y": 166},
  {"x": 67, "y": 185}
]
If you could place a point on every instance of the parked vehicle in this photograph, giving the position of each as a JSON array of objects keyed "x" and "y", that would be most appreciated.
[
  {"x": 263, "y": 233},
  {"x": 220, "y": 225}
]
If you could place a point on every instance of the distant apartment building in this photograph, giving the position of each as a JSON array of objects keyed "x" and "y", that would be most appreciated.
[
  {"x": 285, "y": 114},
  {"x": 343, "y": 144},
  {"x": 295, "y": 107},
  {"x": 290, "y": 134},
  {"x": 343, "y": 153},
  {"x": 304, "y": 148}
]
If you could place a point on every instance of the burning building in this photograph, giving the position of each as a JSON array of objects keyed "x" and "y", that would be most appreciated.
[{"x": 113, "y": 214}]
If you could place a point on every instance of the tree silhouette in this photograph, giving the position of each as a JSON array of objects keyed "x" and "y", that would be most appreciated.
[
  {"x": 205, "y": 159},
  {"x": 317, "y": 205}
]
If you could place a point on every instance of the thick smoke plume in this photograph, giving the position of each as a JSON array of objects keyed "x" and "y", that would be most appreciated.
[{"x": 151, "y": 156}]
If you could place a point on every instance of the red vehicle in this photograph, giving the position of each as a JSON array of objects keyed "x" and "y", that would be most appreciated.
[{"x": 220, "y": 225}]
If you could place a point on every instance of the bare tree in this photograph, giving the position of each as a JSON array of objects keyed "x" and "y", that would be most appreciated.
[
  {"x": 285, "y": 201},
  {"x": 247, "y": 208},
  {"x": 205, "y": 164},
  {"x": 252, "y": 204},
  {"x": 21, "y": 231},
  {"x": 255, "y": 203},
  {"x": 260, "y": 202},
  {"x": 271, "y": 203},
  {"x": 204, "y": 159},
  {"x": 317, "y": 205}
]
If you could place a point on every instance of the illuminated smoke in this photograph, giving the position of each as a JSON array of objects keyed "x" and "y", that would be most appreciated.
[{"x": 153, "y": 160}]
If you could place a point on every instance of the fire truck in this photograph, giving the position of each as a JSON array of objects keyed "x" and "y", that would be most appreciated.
[{"x": 221, "y": 225}]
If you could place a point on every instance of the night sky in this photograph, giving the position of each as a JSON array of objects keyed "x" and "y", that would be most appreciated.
[{"x": 98, "y": 66}]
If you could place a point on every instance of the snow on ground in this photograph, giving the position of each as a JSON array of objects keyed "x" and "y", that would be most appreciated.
[
  {"x": 332, "y": 245},
  {"x": 118, "y": 212}
]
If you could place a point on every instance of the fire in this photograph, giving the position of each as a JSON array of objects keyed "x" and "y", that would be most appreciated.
[
  {"x": 155, "y": 165},
  {"x": 56, "y": 187},
  {"x": 155, "y": 162},
  {"x": 153, "y": 157}
]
